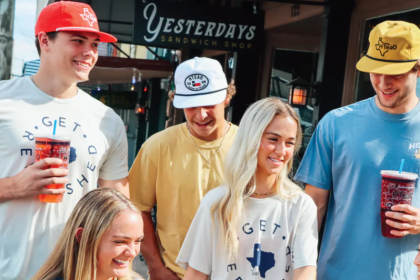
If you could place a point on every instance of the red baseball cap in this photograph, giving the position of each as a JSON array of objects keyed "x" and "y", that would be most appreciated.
[{"x": 70, "y": 16}]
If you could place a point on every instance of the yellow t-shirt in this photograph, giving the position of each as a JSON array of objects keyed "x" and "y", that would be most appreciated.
[{"x": 169, "y": 171}]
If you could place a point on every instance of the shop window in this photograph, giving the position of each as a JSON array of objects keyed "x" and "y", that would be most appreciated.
[
  {"x": 288, "y": 66},
  {"x": 364, "y": 87}
]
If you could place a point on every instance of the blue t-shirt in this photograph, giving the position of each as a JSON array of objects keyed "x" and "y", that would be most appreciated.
[{"x": 349, "y": 148}]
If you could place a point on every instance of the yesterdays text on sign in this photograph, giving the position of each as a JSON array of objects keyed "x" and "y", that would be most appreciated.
[{"x": 177, "y": 25}]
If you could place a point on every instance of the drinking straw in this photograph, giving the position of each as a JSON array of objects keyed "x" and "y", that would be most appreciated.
[
  {"x": 402, "y": 165},
  {"x": 55, "y": 126}
]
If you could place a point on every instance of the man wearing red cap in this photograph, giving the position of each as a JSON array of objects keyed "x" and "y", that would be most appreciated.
[{"x": 67, "y": 39}]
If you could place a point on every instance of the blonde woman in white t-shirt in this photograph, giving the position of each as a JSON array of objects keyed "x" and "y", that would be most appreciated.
[{"x": 259, "y": 225}]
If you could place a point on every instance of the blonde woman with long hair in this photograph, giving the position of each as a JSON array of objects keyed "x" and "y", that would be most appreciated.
[
  {"x": 99, "y": 241},
  {"x": 259, "y": 225}
]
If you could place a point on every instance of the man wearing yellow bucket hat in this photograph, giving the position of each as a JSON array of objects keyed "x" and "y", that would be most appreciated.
[
  {"x": 393, "y": 52},
  {"x": 351, "y": 145},
  {"x": 394, "y": 49}
]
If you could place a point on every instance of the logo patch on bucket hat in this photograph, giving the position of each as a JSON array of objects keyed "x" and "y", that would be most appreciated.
[
  {"x": 196, "y": 82},
  {"x": 383, "y": 47}
]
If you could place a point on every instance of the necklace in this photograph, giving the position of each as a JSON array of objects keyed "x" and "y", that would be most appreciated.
[
  {"x": 269, "y": 194},
  {"x": 208, "y": 160}
]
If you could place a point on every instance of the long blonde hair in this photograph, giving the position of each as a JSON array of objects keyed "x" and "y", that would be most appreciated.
[
  {"x": 72, "y": 259},
  {"x": 241, "y": 166}
]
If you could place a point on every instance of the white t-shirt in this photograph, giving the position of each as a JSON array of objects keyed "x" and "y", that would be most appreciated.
[
  {"x": 29, "y": 229},
  {"x": 276, "y": 236}
]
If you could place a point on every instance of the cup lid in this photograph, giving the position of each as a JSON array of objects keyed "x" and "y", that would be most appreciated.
[
  {"x": 54, "y": 137},
  {"x": 402, "y": 175}
]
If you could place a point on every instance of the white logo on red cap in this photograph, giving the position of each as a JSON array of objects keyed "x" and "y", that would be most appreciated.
[{"x": 88, "y": 16}]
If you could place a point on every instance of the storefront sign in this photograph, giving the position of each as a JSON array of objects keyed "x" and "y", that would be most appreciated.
[
  {"x": 176, "y": 25},
  {"x": 117, "y": 99}
]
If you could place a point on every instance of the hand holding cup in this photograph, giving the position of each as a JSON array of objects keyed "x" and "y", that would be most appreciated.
[
  {"x": 34, "y": 178},
  {"x": 53, "y": 147},
  {"x": 408, "y": 220},
  {"x": 396, "y": 194}
]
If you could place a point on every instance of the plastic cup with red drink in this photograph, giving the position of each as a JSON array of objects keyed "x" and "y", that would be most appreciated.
[
  {"x": 397, "y": 188},
  {"x": 53, "y": 147}
]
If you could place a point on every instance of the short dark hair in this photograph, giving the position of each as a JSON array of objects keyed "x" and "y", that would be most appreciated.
[
  {"x": 416, "y": 66},
  {"x": 51, "y": 36}
]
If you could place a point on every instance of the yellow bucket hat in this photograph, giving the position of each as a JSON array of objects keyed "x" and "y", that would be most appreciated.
[{"x": 394, "y": 48}]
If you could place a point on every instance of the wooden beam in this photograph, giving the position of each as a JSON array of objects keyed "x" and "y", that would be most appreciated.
[
  {"x": 298, "y": 2},
  {"x": 141, "y": 64},
  {"x": 282, "y": 15}
]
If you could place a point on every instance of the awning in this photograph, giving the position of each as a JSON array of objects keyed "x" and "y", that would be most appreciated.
[
  {"x": 117, "y": 70},
  {"x": 106, "y": 75}
]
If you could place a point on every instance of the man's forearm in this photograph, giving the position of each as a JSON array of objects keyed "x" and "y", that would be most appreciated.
[
  {"x": 321, "y": 214},
  {"x": 120, "y": 185},
  {"x": 149, "y": 247},
  {"x": 6, "y": 189},
  {"x": 320, "y": 197}
]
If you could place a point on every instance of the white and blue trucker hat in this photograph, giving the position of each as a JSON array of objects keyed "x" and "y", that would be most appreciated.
[{"x": 199, "y": 82}]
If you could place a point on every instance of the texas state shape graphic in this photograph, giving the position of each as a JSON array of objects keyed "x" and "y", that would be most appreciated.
[
  {"x": 264, "y": 261},
  {"x": 73, "y": 155}
]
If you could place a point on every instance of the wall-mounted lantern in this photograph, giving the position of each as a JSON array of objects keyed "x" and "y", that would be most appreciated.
[{"x": 299, "y": 92}]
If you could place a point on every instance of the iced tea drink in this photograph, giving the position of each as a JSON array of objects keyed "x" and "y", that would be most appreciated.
[
  {"x": 53, "y": 147},
  {"x": 397, "y": 188}
]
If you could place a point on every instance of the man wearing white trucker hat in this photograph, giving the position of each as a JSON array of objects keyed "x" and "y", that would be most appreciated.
[
  {"x": 67, "y": 38},
  {"x": 176, "y": 167},
  {"x": 350, "y": 147}
]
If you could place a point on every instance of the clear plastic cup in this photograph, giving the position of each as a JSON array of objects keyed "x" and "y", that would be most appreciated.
[
  {"x": 53, "y": 147},
  {"x": 397, "y": 188}
]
